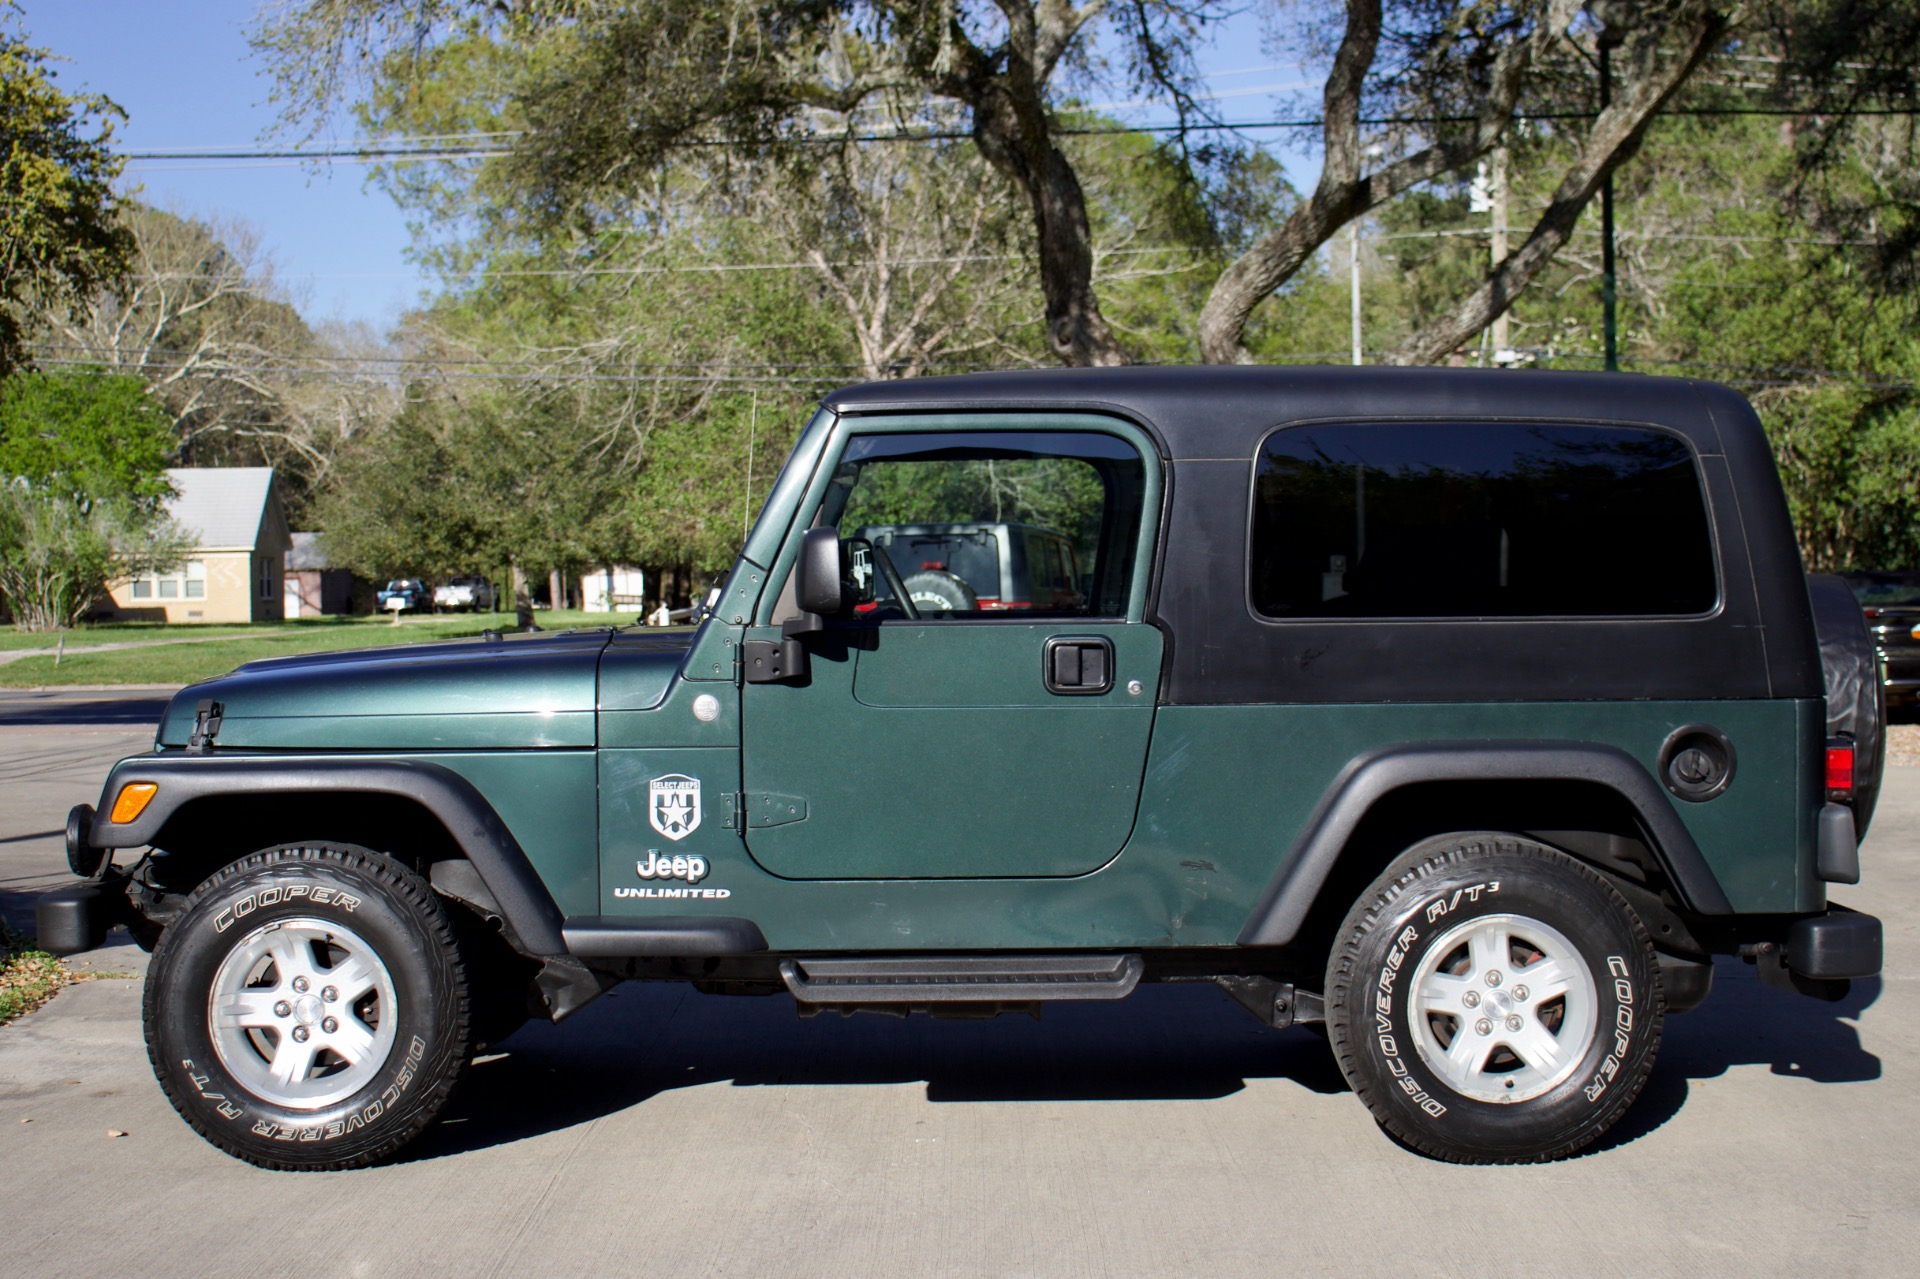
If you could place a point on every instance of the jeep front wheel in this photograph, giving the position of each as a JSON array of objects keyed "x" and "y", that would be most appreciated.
[
  {"x": 309, "y": 1008},
  {"x": 1492, "y": 1000}
]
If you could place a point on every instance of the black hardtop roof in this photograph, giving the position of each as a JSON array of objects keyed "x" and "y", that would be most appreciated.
[{"x": 1225, "y": 410}]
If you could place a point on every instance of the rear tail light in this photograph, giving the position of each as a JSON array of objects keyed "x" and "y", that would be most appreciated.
[{"x": 1839, "y": 768}]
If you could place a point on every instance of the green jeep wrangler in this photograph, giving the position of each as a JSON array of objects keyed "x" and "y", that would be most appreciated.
[{"x": 1466, "y": 713}]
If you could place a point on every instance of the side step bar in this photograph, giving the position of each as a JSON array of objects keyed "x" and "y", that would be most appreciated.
[{"x": 953, "y": 979}]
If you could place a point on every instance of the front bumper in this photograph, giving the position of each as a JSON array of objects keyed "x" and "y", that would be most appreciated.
[{"x": 76, "y": 918}]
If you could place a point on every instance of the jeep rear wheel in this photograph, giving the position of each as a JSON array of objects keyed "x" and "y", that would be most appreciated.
[
  {"x": 1492, "y": 1000},
  {"x": 309, "y": 1008}
]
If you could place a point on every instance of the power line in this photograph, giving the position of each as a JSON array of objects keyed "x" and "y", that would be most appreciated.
[
  {"x": 173, "y": 357},
  {"x": 1774, "y": 375},
  {"x": 376, "y": 153}
]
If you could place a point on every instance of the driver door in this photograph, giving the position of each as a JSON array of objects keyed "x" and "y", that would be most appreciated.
[{"x": 1005, "y": 737}]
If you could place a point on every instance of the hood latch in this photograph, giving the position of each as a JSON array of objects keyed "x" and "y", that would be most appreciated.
[{"x": 206, "y": 725}]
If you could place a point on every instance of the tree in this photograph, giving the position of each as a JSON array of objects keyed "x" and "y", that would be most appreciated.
[
  {"x": 197, "y": 315},
  {"x": 1459, "y": 76},
  {"x": 60, "y": 238},
  {"x": 86, "y": 435},
  {"x": 82, "y": 493},
  {"x": 613, "y": 93}
]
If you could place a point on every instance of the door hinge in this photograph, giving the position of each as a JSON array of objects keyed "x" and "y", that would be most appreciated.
[
  {"x": 771, "y": 661},
  {"x": 762, "y": 809}
]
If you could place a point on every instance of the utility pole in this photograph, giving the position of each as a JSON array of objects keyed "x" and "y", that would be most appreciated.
[
  {"x": 1353, "y": 266},
  {"x": 1501, "y": 342},
  {"x": 1607, "y": 283}
]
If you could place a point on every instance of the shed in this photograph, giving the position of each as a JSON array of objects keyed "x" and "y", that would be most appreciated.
[{"x": 315, "y": 587}]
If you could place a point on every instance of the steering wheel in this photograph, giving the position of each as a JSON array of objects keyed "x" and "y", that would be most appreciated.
[{"x": 895, "y": 587}]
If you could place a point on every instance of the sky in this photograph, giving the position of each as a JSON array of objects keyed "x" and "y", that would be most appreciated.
[{"x": 184, "y": 73}]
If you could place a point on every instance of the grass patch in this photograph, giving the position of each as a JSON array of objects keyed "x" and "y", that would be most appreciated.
[
  {"x": 12, "y": 641},
  {"x": 28, "y": 976},
  {"x": 166, "y": 662}
]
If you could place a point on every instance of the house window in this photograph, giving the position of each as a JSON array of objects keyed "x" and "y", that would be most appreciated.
[
  {"x": 188, "y": 582},
  {"x": 267, "y": 590}
]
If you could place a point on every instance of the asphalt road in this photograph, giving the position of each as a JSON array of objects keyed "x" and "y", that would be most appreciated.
[
  {"x": 139, "y": 705},
  {"x": 665, "y": 1132}
]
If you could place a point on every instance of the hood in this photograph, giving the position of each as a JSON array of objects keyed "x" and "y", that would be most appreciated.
[{"x": 505, "y": 693}]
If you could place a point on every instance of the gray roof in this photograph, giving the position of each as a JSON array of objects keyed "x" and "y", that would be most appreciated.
[
  {"x": 306, "y": 552},
  {"x": 221, "y": 506}
]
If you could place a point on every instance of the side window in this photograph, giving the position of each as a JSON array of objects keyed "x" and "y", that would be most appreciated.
[
  {"x": 973, "y": 523},
  {"x": 1460, "y": 519}
]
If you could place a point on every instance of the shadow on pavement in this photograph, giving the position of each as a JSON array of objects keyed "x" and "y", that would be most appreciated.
[
  {"x": 141, "y": 710},
  {"x": 1166, "y": 1043},
  {"x": 16, "y": 906},
  {"x": 1747, "y": 1023}
]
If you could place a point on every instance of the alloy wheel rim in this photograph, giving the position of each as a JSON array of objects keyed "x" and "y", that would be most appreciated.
[
  {"x": 302, "y": 1013},
  {"x": 1503, "y": 1008}
]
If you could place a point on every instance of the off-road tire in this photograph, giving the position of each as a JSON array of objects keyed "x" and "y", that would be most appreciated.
[
  {"x": 305, "y": 898},
  {"x": 935, "y": 591},
  {"x": 1421, "y": 936}
]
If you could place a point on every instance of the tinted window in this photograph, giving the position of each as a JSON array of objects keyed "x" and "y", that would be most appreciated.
[{"x": 1454, "y": 519}]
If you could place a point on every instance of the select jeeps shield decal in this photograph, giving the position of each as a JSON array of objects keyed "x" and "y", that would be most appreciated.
[{"x": 673, "y": 805}]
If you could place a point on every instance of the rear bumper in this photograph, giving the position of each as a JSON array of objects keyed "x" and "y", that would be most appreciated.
[{"x": 1836, "y": 946}]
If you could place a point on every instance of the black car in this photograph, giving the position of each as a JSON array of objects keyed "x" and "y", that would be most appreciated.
[{"x": 1891, "y": 603}]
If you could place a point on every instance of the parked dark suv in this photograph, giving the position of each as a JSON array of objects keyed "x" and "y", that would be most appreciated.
[
  {"x": 1891, "y": 604},
  {"x": 1467, "y": 713}
]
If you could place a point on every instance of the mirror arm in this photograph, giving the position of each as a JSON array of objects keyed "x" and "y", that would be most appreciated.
[{"x": 804, "y": 624}]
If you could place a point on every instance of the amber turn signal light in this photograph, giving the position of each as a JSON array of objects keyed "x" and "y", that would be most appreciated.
[{"x": 133, "y": 800}]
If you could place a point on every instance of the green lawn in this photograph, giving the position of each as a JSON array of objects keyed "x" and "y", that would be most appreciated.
[
  {"x": 168, "y": 662},
  {"x": 114, "y": 632}
]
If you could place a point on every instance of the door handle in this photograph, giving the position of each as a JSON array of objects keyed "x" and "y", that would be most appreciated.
[{"x": 1077, "y": 665}]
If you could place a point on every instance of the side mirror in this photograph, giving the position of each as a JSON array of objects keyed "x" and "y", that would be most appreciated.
[{"x": 817, "y": 585}]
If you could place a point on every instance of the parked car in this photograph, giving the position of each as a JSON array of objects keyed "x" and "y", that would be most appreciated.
[
  {"x": 411, "y": 593},
  {"x": 1466, "y": 713},
  {"x": 465, "y": 594},
  {"x": 1890, "y": 603},
  {"x": 981, "y": 566}
]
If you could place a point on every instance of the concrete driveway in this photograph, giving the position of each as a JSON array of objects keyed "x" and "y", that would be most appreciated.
[{"x": 665, "y": 1132}]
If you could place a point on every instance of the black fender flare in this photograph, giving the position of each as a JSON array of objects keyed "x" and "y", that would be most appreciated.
[
  {"x": 524, "y": 901},
  {"x": 1292, "y": 892}
]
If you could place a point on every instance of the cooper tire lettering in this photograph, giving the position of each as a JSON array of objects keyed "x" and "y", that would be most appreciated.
[{"x": 1437, "y": 1028}]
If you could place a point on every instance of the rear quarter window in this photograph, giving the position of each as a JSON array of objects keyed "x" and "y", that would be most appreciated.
[{"x": 1476, "y": 519}]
